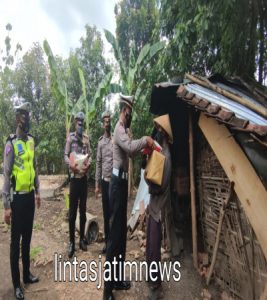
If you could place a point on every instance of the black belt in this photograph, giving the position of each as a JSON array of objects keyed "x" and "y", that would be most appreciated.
[
  {"x": 21, "y": 192},
  {"x": 119, "y": 173}
]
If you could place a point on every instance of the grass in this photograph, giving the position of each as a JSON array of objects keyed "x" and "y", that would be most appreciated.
[
  {"x": 37, "y": 226},
  {"x": 35, "y": 251},
  {"x": 7, "y": 227}
]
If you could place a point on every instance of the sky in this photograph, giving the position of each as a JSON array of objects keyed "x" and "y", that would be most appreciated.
[{"x": 61, "y": 22}]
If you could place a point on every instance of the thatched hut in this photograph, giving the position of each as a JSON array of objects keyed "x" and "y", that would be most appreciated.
[{"x": 220, "y": 147}]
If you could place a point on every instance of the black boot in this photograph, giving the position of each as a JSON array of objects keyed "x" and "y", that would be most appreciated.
[
  {"x": 30, "y": 279},
  {"x": 71, "y": 249},
  {"x": 108, "y": 295},
  {"x": 122, "y": 285},
  {"x": 104, "y": 250},
  {"x": 83, "y": 244},
  {"x": 18, "y": 293},
  {"x": 155, "y": 291}
]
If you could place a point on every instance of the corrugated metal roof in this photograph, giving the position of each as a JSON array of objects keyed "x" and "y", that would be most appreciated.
[
  {"x": 213, "y": 97},
  {"x": 219, "y": 100}
]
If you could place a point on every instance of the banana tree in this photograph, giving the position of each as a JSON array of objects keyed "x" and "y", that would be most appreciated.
[
  {"x": 130, "y": 77},
  {"x": 102, "y": 91},
  {"x": 60, "y": 92},
  {"x": 59, "y": 89}
]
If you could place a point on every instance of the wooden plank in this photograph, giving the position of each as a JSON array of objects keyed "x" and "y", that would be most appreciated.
[
  {"x": 192, "y": 190},
  {"x": 238, "y": 169}
]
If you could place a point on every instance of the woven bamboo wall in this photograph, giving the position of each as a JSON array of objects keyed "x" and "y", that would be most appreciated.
[{"x": 241, "y": 268}]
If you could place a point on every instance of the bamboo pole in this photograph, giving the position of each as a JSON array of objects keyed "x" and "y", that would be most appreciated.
[
  {"x": 243, "y": 101},
  {"x": 192, "y": 191},
  {"x": 218, "y": 234}
]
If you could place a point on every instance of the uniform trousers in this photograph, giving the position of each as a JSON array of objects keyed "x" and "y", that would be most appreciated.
[
  {"x": 116, "y": 245},
  {"x": 105, "y": 205},
  {"x": 78, "y": 191},
  {"x": 22, "y": 207}
]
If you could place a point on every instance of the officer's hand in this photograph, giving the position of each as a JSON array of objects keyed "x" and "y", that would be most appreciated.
[
  {"x": 74, "y": 168},
  {"x": 150, "y": 142},
  {"x": 86, "y": 166},
  {"x": 38, "y": 200},
  {"x": 7, "y": 216},
  {"x": 97, "y": 192}
]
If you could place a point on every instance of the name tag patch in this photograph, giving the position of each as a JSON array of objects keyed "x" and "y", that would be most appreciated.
[{"x": 20, "y": 149}]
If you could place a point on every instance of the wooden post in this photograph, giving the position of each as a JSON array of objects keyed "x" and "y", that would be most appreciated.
[{"x": 192, "y": 191}]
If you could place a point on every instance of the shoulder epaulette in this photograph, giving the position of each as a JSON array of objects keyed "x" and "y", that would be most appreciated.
[
  {"x": 11, "y": 137},
  {"x": 30, "y": 135},
  {"x": 85, "y": 138},
  {"x": 100, "y": 138},
  {"x": 71, "y": 135}
]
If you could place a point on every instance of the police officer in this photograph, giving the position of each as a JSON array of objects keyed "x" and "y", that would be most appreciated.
[
  {"x": 20, "y": 174},
  {"x": 104, "y": 161},
  {"x": 77, "y": 143},
  {"x": 123, "y": 147}
]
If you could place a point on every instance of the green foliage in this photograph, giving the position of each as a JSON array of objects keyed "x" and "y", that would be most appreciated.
[
  {"x": 60, "y": 92},
  {"x": 118, "y": 55},
  {"x": 137, "y": 25},
  {"x": 7, "y": 119},
  {"x": 214, "y": 36},
  {"x": 131, "y": 77},
  {"x": 90, "y": 58},
  {"x": 31, "y": 83},
  {"x": 37, "y": 226},
  {"x": 58, "y": 87},
  {"x": 9, "y": 57},
  {"x": 101, "y": 92},
  {"x": 80, "y": 89}
]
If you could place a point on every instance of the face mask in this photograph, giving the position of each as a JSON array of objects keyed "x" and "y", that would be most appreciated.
[
  {"x": 128, "y": 119},
  {"x": 25, "y": 125},
  {"x": 108, "y": 128},
  {"x": 159, "y": 137},
  {"x": 80, "y": 130}
]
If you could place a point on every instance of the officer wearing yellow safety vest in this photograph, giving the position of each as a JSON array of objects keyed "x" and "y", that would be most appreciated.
[{"x": 21, "y": 177}]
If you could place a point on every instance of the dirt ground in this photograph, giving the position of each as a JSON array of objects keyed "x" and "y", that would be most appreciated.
[{"x": 50, "y": 236}]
